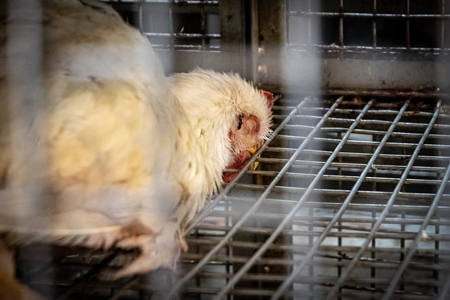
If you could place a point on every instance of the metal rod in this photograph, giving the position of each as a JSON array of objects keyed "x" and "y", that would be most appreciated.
[
  {"x": 368, "y": 15},
  {"x": 374, "y": 24},
  {"x": 442, "y": 43},
  {"x": 203, "y": 26},
  {"x": 171, "y": 30},
  {"x": 333, "y": 292},
  {"x": 341, "y": 23},
  {"x": 140, "y": 17},
  {"x": 183, "y": 35},
  {"x": 431, "y": 51},
  {"x": 309, "y": 24},
  {"x": 408, "y": 34}
]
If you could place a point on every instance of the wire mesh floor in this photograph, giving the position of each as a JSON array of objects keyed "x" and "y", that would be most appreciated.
[{"x": 350, "y": 200}]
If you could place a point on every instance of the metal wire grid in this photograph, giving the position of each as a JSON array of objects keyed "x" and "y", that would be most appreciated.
[
  {"x": 350, "y": 200},
  {"x": 174, "y": 24},
  {"x": 389, "y": 29}
]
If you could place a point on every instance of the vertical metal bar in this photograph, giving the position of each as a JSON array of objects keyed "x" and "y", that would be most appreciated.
[
  {"x": 341, "y": 29},
  {"x": 172, "y": 32},
  {"x": 203, "y": 25},
  {"x": 344, "y": 205},
  {"x": 339, "y": 243},
  {"x": 351, "y": 265},
  {"x": 310, "y": 243},
  {"x": 339, "y": 168},
  {"x": 374, "y": 24},
  {"x": 230, "y": 248},
  {"x": 408, "y": 35},
  {"x": 140, "y": 17},
  {"x": 232, "y": 30},
  {"x": 23, "y": 82},
  {"x": 309, "y": 24},
  {"x": 24, "y": 101},
  {"x": 255, "y": 206},
  {"x": 341, "y": 23},
  {"x": 442, "y": 44},
  {"x": 373, "y": 270},
  {"x": 436, "y": 273},
  {"x": 252, "y": 66},
  {"x": 274, "y": 36},
  {"x": 402, "y": 241}
]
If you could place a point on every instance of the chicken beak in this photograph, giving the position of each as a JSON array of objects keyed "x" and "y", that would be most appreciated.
[{"x": 251, "y": 151}]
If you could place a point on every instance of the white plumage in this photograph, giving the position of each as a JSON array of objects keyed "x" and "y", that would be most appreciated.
[{"x": 129, "y": 155}]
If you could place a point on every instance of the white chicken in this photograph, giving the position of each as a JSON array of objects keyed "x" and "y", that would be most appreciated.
[{"x": 125, "y": 156}]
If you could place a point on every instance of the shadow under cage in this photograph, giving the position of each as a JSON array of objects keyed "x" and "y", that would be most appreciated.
[{"x": 350, "y": 198}]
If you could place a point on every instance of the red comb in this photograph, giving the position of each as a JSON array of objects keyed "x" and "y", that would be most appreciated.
[{"x": 269, "y": 98}]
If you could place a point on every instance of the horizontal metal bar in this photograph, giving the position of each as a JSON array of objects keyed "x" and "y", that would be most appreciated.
[
  {"x": 194, "y": 2},
  {"x": 183, "y": 35},
  {"x": 405, "y": 145},
  {"x": 407, "y": 93},
  {"x": 187, "y": 48},
  {"x": 378, "y": 122},
  {"x": 416, "y": 208},
  {"x": 381, "y": 234},
  {"x": 299, "y": 13},
  {"x": 368, "y": 155},
  {"x": 365, "y": 262},
  {"x": 316, "y": 48},
  {"x": 295, "y": 249},
  {"x": 318, "y": 220},
  {"x": 149, "y": 2},
  {"x": 384, "y": 112},
  {"x": 322, "y": 220},
  {"x": 352, "y": 178},
  {"x": 340, "y": 192}
]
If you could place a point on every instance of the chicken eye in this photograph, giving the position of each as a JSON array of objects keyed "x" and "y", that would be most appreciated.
[{"x": 239, "y": 123}]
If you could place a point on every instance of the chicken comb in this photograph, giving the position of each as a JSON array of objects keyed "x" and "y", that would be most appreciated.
[{"x": 269, "y": 98}]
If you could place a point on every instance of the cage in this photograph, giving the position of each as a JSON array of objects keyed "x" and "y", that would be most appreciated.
[{"x": 350, "y": 198}]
